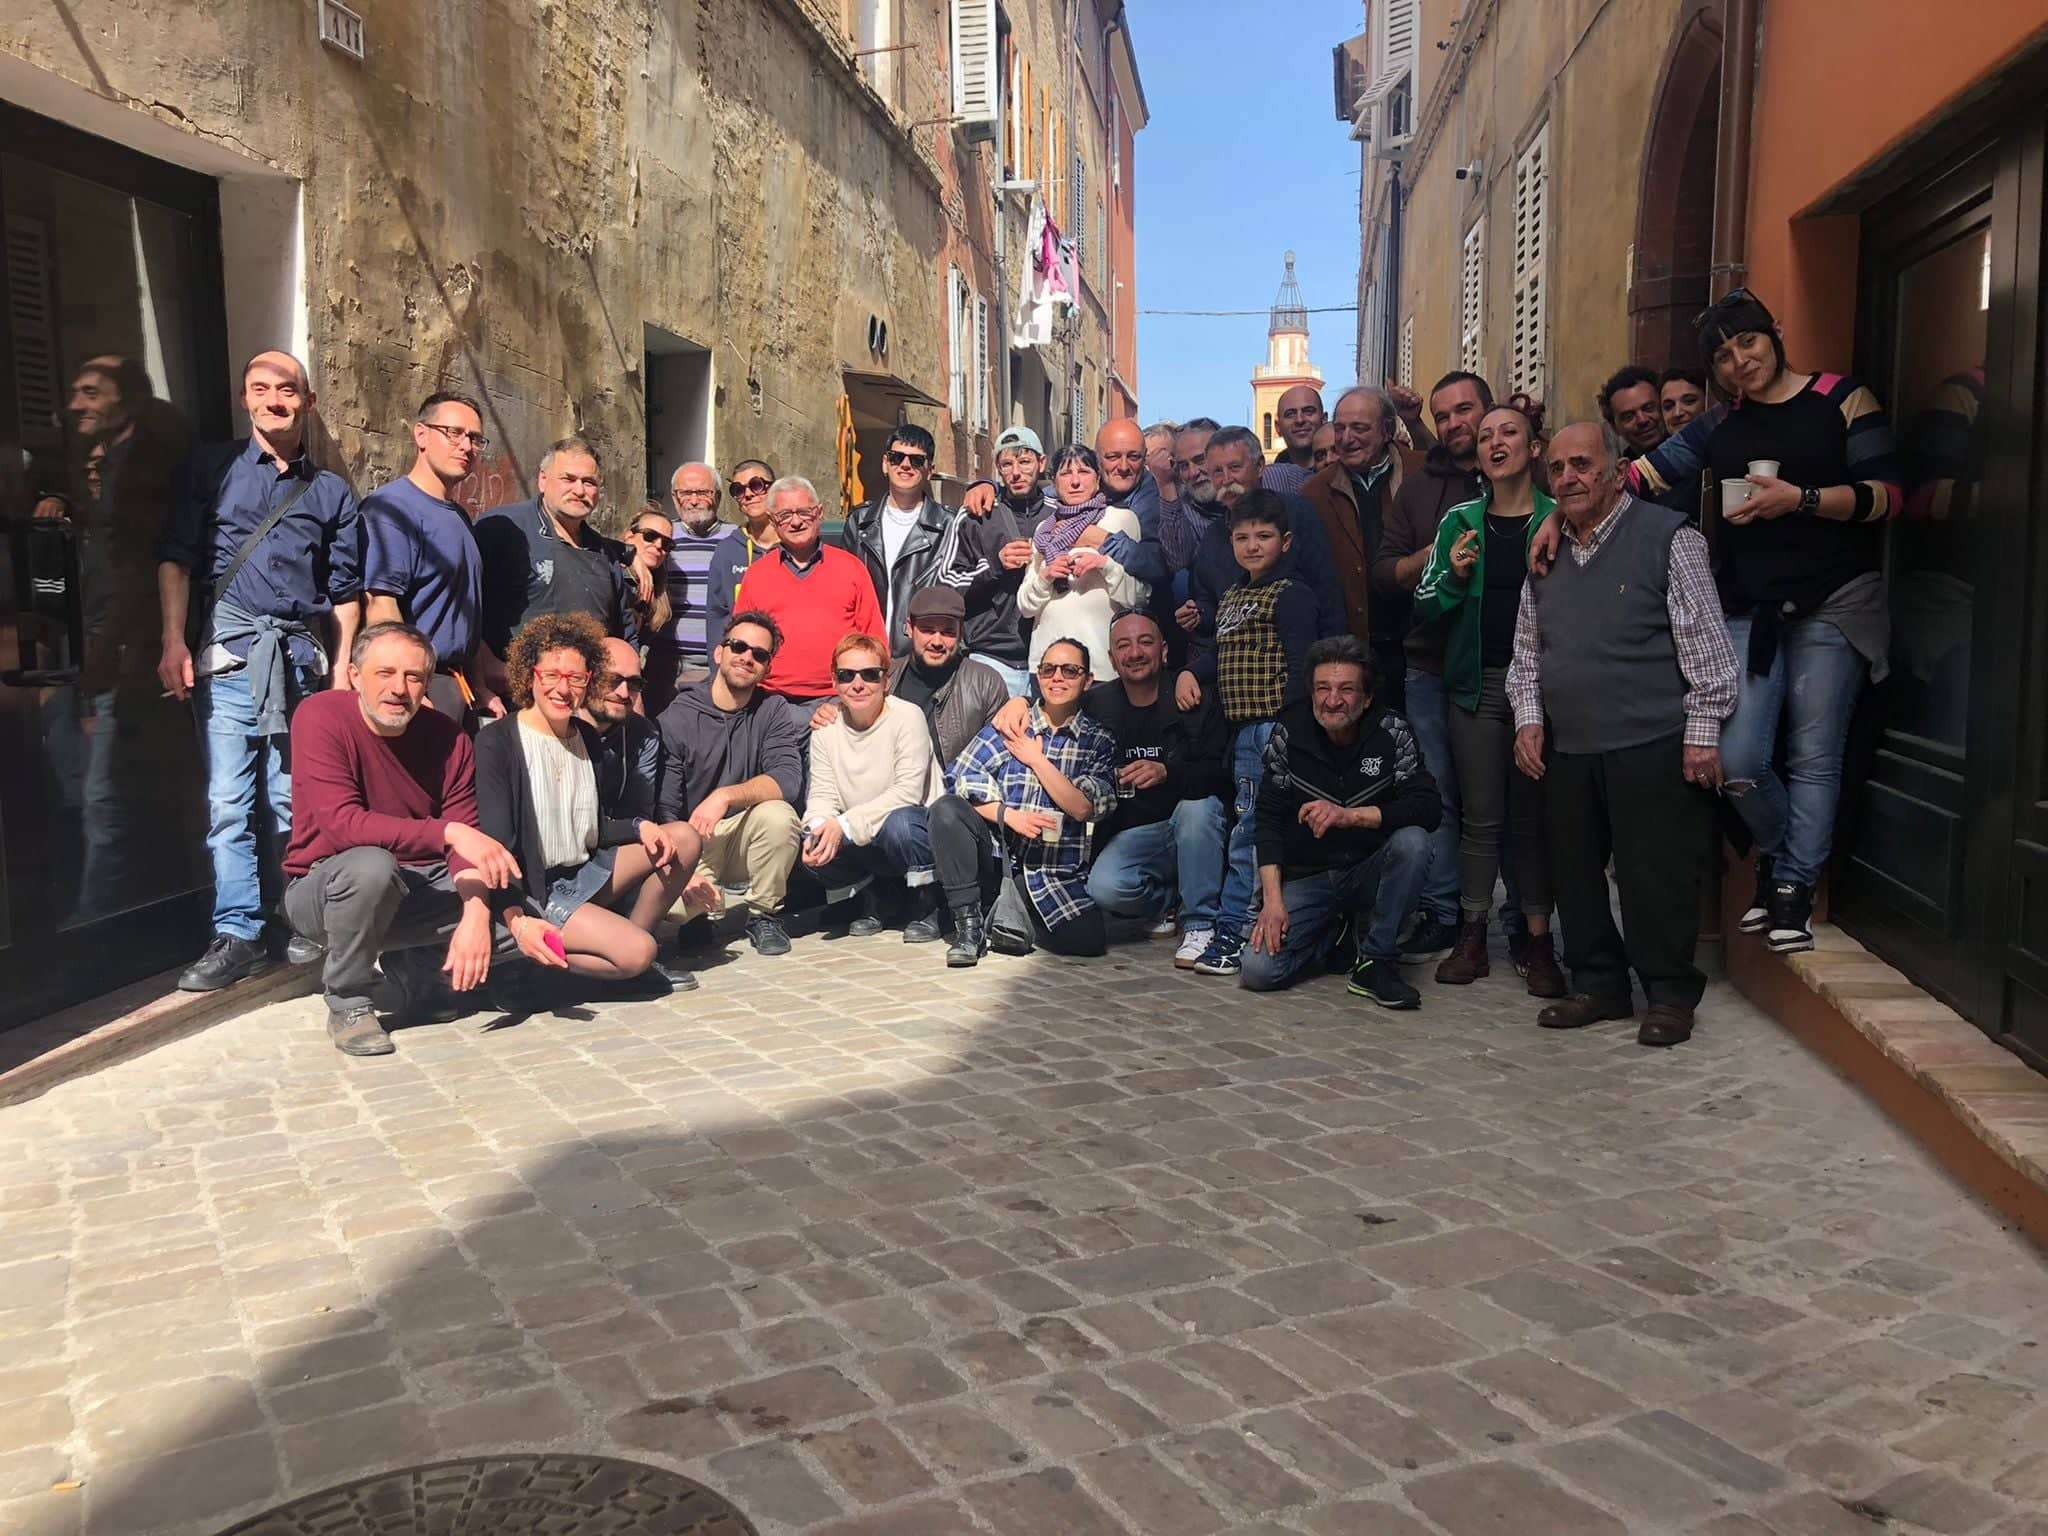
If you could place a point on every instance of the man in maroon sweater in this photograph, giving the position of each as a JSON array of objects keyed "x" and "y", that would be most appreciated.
[{"x": 385, "y": 856}]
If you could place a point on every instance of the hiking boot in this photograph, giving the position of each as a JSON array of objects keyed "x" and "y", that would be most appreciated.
[
  {"x": 1545, "y": 976},
  {"x": 1581, "y": 1009},
  {"x": 766, "y": 933},
  {"x": 1756, "y": 917},
  {"x": 921, "y": 926},
  {"x": 970, "y": 938},
  {"x": 227, "y": 960},
  {"x": 1519, "y": 940},
  {"x": 1789, "y": 928},
  {"x": 1430, "y": 939},
  {"x": 356, "y": 1032},
  {"x": 1381, "y": 981},
  {"x": 1222, "y": 957},
  {"x": 1665, "y": 1024},
  {"x": 1466, "y": 962}
]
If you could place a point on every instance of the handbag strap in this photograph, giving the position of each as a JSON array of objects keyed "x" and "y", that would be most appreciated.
[{"x": 227, "y": 577}]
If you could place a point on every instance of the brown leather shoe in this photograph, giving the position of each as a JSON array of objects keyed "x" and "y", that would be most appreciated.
[
  {"x": 1581, "y": 1009},
  {"x": 1664, "y": 1024},
  {"x": 1540, "y": 967},
  {"x": 1466, "y": 962}
]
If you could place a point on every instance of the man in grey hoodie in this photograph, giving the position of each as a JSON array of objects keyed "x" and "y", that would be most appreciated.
[{"x": 736, "y": 755}]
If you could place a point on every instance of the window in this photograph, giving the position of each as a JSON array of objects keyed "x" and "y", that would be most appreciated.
[
  {"x": 957, "y": 343},
  {"x": 1387, "y": 106},
  {"x": 1532, "y": 183},
  {"x": 1407, "y": 374},
  {"x": 981, "y": 349},
  {"x": 873, "y": 27},
  {"x": 975, "y": 78},
  {"x": 1077, "y": 215},
  {"x": 1472, "y": 299}
]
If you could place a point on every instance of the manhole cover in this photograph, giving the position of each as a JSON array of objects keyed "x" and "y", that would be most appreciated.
[{"x": 502, "y": 1495}]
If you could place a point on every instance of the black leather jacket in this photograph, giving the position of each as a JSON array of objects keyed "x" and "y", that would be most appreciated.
[{"x": 927, "y": 552}]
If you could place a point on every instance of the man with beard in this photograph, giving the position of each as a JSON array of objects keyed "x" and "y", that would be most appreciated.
[
  {"x": 1183, "y": 524},
  {"x": 386, "y": 859},
  {"x": 1629, "y": 403},
  {"x": 991, "y": 556},
  {"x": 682, "y": 653},
  {"x": 1300, "y": 412}
]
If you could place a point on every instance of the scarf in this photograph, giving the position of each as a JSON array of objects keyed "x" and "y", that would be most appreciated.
[{"x": 1064, "y": 525}]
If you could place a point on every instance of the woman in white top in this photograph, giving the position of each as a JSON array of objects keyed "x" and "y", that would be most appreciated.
[
  {"x": 593, "y": 882},
  {"x": 1073, "y": 590}
]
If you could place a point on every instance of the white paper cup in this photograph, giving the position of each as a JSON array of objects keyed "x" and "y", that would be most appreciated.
[
  {"x": 1734, "y": 493},
  {"x": 1051, "y": 834},
  {"x": 1768, "y": 468}
]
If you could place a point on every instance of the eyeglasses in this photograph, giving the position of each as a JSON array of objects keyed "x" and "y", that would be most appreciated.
[
  {"x": 848, "y": 674},
  {"x": 552, "y": 679},
  {"x": 459, "y": 435},
  {"x": 695, "y": 493},
  {"x": 914, "y": 460},
  {"x": 794, "y": 514},
  {"x": 753, "y": 487},
  {"x": 760, "y": 653},
  {"x": 633, "y": 684},
  {"x": 650, "y": 536},
  {"x": 1727, "y": 300},
  {"x": 1072, "y": 671}
]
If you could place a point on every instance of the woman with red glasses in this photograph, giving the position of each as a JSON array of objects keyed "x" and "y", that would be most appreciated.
[{"x": 593, "y": 881}]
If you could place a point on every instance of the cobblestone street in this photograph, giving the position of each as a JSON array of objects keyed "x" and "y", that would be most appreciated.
[{"x": 1045, "y": 1249}]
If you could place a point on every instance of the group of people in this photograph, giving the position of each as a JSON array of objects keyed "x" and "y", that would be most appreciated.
[{"x": 1296, "y": 716}]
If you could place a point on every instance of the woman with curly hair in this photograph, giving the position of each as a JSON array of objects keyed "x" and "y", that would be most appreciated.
[
  {"x": 593, "y": 880},
  {"x": 1473, "y": 582}
]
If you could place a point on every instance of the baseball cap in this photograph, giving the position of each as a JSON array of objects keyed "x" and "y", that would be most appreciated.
[
  {"x": 937, "y": 603},
  {"x": 1020, "y": 437}
]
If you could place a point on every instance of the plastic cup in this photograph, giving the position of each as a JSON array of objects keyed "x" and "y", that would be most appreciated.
[
  {"x": 1734, "y": 493},
  {"x": 1768, "y": 468},
  {"x": 1051, "y": 834}
]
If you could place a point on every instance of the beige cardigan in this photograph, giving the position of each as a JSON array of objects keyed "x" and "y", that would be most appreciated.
[{"x": 859, "y": 777}]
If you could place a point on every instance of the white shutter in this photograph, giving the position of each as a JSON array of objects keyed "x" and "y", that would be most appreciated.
[
  {"x": 1078, "y": 224},
  {"x": 1472, "y": 299},
  {"x": 1390, "y": 97},
  {"x": 956, "y": 351},
  {"x": 1532, "y": 186},
  {"x": 980, "y": 363},
  {"x": 1408, "y": 352},
  {"x": 1395, "y": 44},
  {"x": 976, "y": 82}
]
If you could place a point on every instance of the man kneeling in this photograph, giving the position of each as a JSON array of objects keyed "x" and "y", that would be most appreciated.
[
  {"x": 386, "y": 859},
  {"x": 1342, "y": 828}
]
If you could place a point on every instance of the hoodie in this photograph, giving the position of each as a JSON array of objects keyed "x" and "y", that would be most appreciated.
[
  {"x": 711, "y": 748},
  {"x": 1382, "y": 767}
]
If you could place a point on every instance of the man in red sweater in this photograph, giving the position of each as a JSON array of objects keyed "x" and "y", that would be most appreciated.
[
  {"x": 817, "y": 594},
  {"x": 385, "y": 857}
]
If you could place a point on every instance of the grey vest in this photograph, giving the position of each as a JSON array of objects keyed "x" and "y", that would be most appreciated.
[{"x": 1609, "y": 663}]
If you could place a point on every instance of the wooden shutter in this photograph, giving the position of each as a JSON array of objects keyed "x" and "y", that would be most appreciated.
[
  {"x": 980, "y": 390},
  {"x": 956, "y": 351},
  {"x": 1532, "y": 266},
  {"x": 1472, "y": 298},
  {"x": 976, "y": 83}
]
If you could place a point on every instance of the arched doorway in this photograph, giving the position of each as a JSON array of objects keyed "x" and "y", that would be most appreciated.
[{"x": 1675, "y": 204}]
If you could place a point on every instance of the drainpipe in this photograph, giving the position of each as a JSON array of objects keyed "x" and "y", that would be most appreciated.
[{"x": 1731, "y": 148}]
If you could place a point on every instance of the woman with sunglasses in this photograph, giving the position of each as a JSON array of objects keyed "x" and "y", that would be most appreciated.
[
  {"x": 1073, "y": 590},
  {"x": 754, "y": 537},
  {"x": 648, "y": 542},
  {"x": 581, "y": 859}
]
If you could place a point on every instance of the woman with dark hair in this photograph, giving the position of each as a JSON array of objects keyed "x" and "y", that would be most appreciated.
[
  {"x": 1073, "y": 590},
  {"x": 580, "y": 859},
  {"x": 1808, "y": 474},
  {"x": 1473, "y": 582}
]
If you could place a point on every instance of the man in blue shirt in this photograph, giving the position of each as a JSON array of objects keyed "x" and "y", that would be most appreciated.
[
  {"x": 277, "y": 551},
  {"x": 420, "y": 560}
]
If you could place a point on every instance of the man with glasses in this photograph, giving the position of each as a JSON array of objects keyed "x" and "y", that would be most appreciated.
[
  {"x": 736, "y": 770},
  {"x": 905, "y": 536},
  {"x": 753, "y": 536},
  {"x": 682, "y": 651},
  {"x": 817, "y": 593},
  {"x": 1300, "y": 412},
  {"x": 420, "y": 560}
]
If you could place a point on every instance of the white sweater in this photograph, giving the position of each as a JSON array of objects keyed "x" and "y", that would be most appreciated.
[
  {"x": 861, "y": 776},
  {"x": 1083, "y": 612}
]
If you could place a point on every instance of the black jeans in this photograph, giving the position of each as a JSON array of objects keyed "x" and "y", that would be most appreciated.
[
  {"x": 1502, "y": 807},
  {"x": 972, "y": 868},
  {"x": 1635, "y": 805},
  {"x": 362, "y": 903}
]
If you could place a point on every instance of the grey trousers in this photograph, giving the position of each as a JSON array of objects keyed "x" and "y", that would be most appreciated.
[
  {"x": 1499, "y": 802},
  {"x": 363, "y": 903}
]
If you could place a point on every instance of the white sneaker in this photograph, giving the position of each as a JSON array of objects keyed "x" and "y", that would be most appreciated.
[
  {"x": 1192, "y": 943},
  {"x": 1165, "y": 926}
]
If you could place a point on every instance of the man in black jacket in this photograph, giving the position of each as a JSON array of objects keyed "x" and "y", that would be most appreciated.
[
  {"x": 1344, "y": 816},
  {"x": 904, "y": 536},
  {"x": 991, "y": 556},
  {"x": 1165, "y": 840}
]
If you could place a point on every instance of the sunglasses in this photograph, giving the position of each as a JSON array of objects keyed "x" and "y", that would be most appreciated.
[
  {"x": 760, "y": 653},
  {"x": 848, "y": 674},
  {"x": 631, "y": 684},
  {"x": 753, "y": 487},
  {"x": 1727, "y": 300},
  {"x": 649, "y": 536},
  {"x": 1072, "y": 671},
  {"x": 914, "y": 460}
]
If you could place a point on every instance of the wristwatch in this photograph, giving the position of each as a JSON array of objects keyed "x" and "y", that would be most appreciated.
[{"x": 1809, "y": 501}]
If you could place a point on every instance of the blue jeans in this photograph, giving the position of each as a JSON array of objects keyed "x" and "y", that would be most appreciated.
[
  {"x": 1016, "y": 679},
  {"x": 247, "y": 845},
  {"x": 902, "y": 848},
  {"x": 1813, "y": 685},
  {"x": 1381, "y": 891},
  {"x": 1241, "y": 878},
  {"x": 1138, "y": 872}
]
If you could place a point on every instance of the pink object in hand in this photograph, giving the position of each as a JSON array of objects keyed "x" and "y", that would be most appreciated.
[{"x": 554, "y": 942}]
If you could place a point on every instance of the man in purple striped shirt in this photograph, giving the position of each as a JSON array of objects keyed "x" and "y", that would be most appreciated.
[{"x": 682, "y": 652}]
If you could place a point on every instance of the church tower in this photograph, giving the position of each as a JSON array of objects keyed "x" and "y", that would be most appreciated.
[{"x": 1286, "y": 363}]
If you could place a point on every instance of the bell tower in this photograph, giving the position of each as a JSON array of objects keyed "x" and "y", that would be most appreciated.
[{"x": 1287, "y": 363}]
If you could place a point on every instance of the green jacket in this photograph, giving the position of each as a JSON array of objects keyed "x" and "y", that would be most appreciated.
[{"x": 1443, "y": 592}]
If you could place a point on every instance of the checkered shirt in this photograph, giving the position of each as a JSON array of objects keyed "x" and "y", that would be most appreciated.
[
  {"x": 1055, "y": 873},
  {"x": 1251, "y": 663}
]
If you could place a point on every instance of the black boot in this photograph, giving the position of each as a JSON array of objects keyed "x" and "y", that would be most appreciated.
[
  {"x": 970, "y": 936},
  {"x": 921, "y": 922},
  {"x": 867, "y": 914}
]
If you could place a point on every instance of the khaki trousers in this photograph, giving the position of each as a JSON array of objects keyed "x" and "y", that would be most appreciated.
[{"x": 757, "y": 846}]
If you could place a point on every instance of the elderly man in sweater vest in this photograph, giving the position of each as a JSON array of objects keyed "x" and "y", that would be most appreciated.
[{"x": 1621, "y": 648}]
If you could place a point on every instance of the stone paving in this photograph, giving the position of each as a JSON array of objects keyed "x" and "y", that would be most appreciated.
[{"x": 1041, "y": 1249}]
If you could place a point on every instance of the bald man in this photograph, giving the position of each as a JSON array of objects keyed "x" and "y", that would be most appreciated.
[
  {"x": 682, "y": 652},
  {"x": 1299, "y": 413},
  {"x": 274, "y": 547}
]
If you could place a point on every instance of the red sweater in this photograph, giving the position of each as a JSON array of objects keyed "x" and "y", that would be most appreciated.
[
  {"x": 815, "y": 611},
  {"x": 352, "y": 788}
]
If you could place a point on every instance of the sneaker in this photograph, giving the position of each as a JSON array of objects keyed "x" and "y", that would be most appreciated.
[
  {"x": 1467, "y": 961},
  {"x": 227, "y": 960},
  {"x": 1165, "y": 926},
  {"x": 1430, "y": 939},
  {"x": 1221, "y": 956},
  {"x": 1789, "y": 928},
  {"x": 766, "y": 933},
  {"x": 678, "y": 976},
  {"x": 357, "y": 1032},
  {"x": 1193, "y": 945},
  {"x": 1756, "y": 917},
  {"x": 1381, "y": 981}
]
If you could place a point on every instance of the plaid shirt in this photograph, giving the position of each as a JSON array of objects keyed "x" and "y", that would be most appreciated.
[
  {"x": 1056, "y": 872},
  {"x": 1700, "y": 633},
  {"x": 1285, "y": 476},
  {"x": 1251, "y": 661}
]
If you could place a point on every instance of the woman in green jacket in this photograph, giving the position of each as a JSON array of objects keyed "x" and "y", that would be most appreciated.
[{"x": 1474, "y": 581}]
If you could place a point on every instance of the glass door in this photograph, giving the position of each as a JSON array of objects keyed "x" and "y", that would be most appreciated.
[{"x": 112, "y": 331}]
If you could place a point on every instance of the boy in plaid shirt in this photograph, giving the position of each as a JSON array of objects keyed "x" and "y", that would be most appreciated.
[{"x": 1264, "y": 628}]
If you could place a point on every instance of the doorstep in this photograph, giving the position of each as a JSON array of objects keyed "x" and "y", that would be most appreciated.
[
  {"x": 36, "y": 1057},
  {"x": 1978, "y": 1108}
]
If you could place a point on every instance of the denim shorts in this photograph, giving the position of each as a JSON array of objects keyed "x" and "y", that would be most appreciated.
[{"x": 571, "y": 885}]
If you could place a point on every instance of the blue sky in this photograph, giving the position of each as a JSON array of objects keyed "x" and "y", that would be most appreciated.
[{"x": 1220, "y": 198}]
